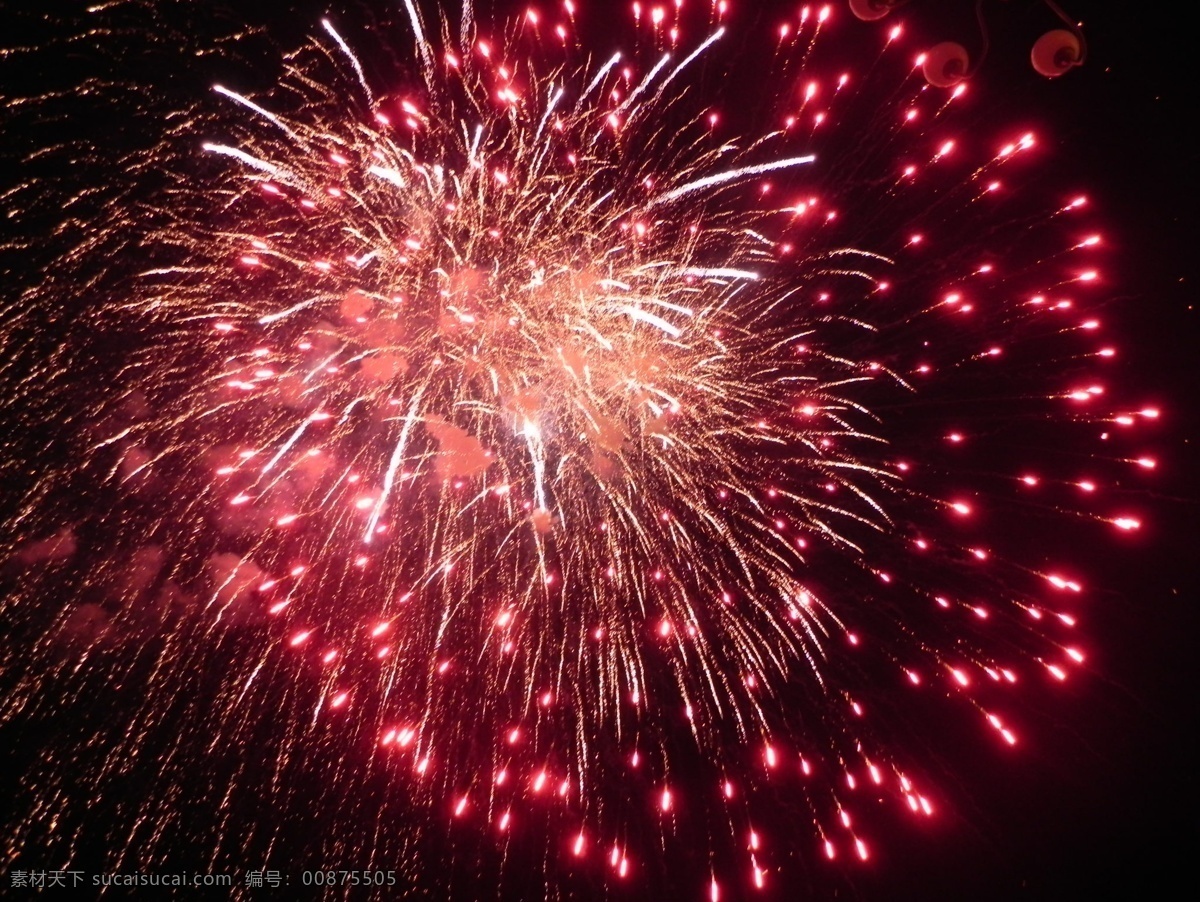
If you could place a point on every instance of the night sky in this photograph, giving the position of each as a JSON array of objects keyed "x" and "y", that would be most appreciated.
[{"x": 1100, "y": 795}]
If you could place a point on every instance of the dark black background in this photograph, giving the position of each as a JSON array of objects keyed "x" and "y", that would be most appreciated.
[{"x": 1102, "y": 799}]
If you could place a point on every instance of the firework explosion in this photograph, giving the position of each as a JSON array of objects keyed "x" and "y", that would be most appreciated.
[{"x": 516, "y": 433}]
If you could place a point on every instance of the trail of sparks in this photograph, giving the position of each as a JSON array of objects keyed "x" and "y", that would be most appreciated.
[{"x": 547, "y": 427}]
